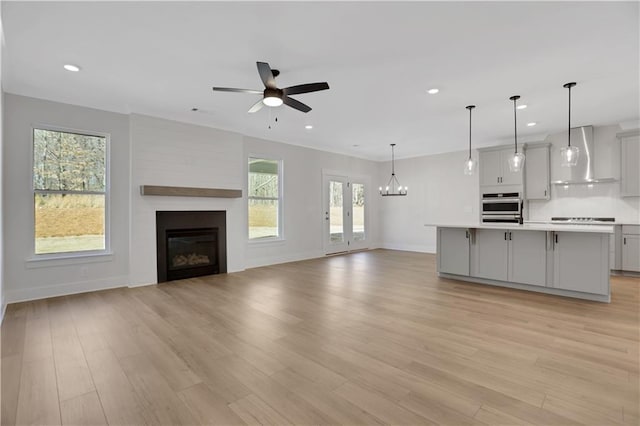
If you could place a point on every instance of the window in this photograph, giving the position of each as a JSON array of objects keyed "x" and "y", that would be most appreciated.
[
  {"x": 69, "y": 186},
  {"x": 265, "y": 199}
]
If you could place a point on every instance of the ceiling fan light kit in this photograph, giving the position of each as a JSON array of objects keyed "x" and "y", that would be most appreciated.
[{"x": 273, "y": 96}]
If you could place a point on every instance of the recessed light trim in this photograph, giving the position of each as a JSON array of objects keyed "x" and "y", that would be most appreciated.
[
  {"x": 308, "y": 127},
  {"x": 71, "y": 67},
  {"x": 533, "y": 123},
  {"x": 523, "y": 106},
  {"x": 433, "y": 91}
]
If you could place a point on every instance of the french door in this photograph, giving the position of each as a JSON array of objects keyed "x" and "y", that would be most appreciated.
[{"x": 345, "y": 215}]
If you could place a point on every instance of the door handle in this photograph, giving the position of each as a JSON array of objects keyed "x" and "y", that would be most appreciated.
[
  {"x": 509, "y": 235},
  {"x": 624, "y": 241},
  {"x": 505, "y": 236},
  {"x": 545, "y": 192},
  {"x": 466, "y": 234},
  {"x": 556, "y": 238}
]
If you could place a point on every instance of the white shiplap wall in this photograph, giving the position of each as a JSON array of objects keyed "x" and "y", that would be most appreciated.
[{"x": 170, "y": 153}]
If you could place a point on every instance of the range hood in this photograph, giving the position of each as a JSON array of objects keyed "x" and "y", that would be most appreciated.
[{"x": 583, "y": 172}]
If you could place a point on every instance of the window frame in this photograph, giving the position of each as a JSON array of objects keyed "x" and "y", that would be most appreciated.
[
  {"x": 107, "y": 196},
  {"x": 280, "y": 199}
]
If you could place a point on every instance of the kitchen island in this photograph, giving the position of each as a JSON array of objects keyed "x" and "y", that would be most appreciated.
[{"x": 565, "y": 260}]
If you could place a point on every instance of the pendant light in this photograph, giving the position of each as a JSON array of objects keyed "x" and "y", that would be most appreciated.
[
  {"x": 393, "y": 187},
  {"x": 569, "y": 154},
  {"x": 516, "y": 161},
  {"x": 470, "y": 163}
]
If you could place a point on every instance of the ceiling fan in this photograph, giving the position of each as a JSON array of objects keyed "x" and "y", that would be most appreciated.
[{"x": 272, "y": 95}]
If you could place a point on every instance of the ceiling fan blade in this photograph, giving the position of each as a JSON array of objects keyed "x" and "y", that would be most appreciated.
[
  {"x": 305, "y": 88},
  {"x": 256, "y": 107},
  {"x": 296, "y": 104},
  {"x": 266, "y": 75},
  {"x": 231, "y": 89}
]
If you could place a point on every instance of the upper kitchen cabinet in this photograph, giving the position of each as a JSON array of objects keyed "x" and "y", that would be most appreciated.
[
  {"x": 630, "y": 158},
  {"x": 536, "y": 172},
  {"x": 494, "y": 170}
]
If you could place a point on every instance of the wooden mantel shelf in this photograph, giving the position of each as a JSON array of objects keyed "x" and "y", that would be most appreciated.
[{"x": 182, "y": 191}]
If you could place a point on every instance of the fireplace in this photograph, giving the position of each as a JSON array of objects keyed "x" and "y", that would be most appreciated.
[{"x": 190, "y": 244}]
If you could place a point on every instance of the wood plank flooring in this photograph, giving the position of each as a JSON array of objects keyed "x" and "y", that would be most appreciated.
[{"x": 367, "y": 338}]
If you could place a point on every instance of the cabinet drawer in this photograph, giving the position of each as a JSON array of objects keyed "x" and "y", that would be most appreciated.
[{"x": 631, "y": 229}]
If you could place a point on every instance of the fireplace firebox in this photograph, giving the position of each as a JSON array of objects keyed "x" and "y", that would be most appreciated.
[{"x": 190, "y": 244}]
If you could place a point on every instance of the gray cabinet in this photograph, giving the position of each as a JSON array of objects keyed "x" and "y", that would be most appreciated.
[
  {"x": 536, "y": 172},
  {"x": 490, "y": 254},
  {"x": 453, "y": 251},
  {"x": 528, "y": 257},
  {"x": 494, "y": 170},
  {"x": 515, "y": 256},
  {"x": 629, "y": 160},
  {"x": 577, "y": 266},
  {"x": 631, "y": 248}
]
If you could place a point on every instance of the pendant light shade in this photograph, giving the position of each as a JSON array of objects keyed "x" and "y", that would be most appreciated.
[
  {"x": 569, "y": 154},
  {"x": 470, "y": 163},
  {"x": 393, "y": 187},
  {"x": 516, "y": 161}
]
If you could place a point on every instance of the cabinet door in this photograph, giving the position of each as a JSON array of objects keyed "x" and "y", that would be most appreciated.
[
  {"x": 630, "y": 173},
  {"x": 581, "y": 262},
  {"x": 490, "y": 254},
  {"x": 453, "y": 251},
  {"x": 528, "y": 257},
  {"x": 631, "y": 252},
  {"x": 536, "y": 173},
  {"x": 509, "y": 177},
  {"x": 490, "y": 168}
]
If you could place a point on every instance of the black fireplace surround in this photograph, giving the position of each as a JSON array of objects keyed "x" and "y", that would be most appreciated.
[{"x": 190, "y": 244}]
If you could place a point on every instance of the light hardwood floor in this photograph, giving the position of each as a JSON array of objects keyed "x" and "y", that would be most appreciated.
[{"x": 368, "y": 338}]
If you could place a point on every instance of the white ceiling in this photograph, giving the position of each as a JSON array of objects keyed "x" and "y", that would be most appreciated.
[{"x": 162, "y": 58}]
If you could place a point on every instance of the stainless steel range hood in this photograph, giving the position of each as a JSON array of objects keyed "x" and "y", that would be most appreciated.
[{"x": 583, "y": 172}]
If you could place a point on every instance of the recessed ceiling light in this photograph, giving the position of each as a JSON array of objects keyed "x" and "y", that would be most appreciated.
[
  {"x": 72, "y": 68},
  {"x": 308, "y": 127},
  {"x": 533, "y": 123},
  {"x": 194, "y": 109},
  {"x": 433, "y": 91},
  {"x": 523, "y": 106},
  {"x": 355, "y": 145}
]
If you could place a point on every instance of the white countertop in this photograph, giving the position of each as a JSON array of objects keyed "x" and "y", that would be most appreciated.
[{"x": 535, "y": 226}]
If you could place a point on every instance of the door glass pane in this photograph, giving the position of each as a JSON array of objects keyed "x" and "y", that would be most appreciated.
[
  {"x": 358, "y": 211},
  {"x": 336, "y": 226}
]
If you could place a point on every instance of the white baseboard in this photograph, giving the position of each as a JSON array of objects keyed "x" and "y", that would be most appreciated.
[
  {"x": 274, "y": 260},
  {"x": 141, "y": 285},
  {"x": 410, "y": 247},
  {"x": 35, "y": 293}
]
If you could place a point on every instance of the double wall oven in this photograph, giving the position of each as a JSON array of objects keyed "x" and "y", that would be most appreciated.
[{"x": 502, "y": 207}]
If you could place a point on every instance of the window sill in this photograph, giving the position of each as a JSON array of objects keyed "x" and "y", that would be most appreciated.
[{"x": 45, "y": 261}]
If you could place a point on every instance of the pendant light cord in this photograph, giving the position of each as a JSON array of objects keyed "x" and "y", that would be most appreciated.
[
  {"x": 470, "y": 107},
  {"x": 569, "y": 86},
  {"x": 569, "y": 129},
  {"x": 470, "y": 132},
  {"x": 515, "y": 124},
  {"x": 393, "y": 160}
]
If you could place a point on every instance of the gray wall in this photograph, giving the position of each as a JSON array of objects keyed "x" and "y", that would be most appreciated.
[{"x": 28, "y": 279}]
